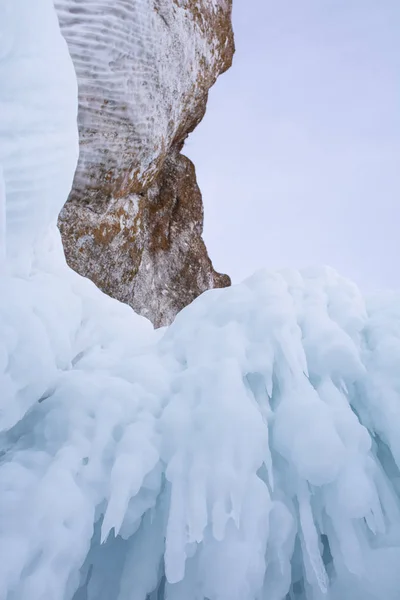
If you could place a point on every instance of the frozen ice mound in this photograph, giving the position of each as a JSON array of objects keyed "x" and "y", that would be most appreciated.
[{"x": 248, "y": 452}]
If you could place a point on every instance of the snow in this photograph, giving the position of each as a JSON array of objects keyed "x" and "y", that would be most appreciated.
[{"x": 249, "y": 451}]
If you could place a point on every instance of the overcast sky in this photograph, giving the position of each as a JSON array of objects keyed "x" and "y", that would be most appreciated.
[{"x": 298, "y": 156}]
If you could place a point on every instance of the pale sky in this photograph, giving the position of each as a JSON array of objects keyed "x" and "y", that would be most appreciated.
[{"x": 298, "y": 157}]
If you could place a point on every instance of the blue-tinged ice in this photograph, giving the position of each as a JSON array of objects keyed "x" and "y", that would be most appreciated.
[{"x": 251, "y": 451}]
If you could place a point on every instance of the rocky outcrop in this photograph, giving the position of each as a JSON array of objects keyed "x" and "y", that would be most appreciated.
[{"x": 133, "y": 222}]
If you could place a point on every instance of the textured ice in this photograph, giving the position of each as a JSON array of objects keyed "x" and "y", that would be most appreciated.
[
  {"x": 139, "y": 65},
  {"x": 39, "y": 143},
  {"x": 248, "y": 452}
]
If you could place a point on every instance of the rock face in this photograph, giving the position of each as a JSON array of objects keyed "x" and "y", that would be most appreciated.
[{"x": 134, "y": 219}]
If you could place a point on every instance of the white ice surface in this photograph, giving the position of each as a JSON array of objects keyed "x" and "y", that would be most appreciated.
[
  {"x": 248, "y": 452},
  {"x": 39, "y": 139}
]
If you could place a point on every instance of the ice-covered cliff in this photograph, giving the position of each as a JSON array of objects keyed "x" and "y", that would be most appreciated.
[
  {"x": 135, "y": 216},
  {"x": 250, "y": 451}
]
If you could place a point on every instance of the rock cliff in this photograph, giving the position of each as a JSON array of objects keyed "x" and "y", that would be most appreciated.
[{"x": 133, "y": 222}]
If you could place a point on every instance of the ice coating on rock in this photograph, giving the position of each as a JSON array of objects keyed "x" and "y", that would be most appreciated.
[
  {"x": 247, "y": 452},
  {"x": 144, "y": 68}
]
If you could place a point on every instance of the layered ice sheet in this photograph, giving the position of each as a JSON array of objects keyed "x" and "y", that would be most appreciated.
[
  {"x": 248, "y": 452},
  {"x": 38, "y": 111}
]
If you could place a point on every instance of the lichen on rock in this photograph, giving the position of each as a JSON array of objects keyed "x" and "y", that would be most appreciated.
[{"x": 133, "y": 222}]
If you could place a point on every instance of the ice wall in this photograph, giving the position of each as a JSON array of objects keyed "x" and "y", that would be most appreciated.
[
  {"x": 248, "y": 452},
  {"x": 38, "y": 111}
]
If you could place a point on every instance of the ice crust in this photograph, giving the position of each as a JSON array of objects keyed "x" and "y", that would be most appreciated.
[
  {"x": 148, "y": 104},
  {"x": 248, "y": 452}
]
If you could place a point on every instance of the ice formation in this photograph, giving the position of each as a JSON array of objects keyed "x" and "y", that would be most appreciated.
[
  {"x": 248, "y": 452},
  {"x": 145, "y": 106}
]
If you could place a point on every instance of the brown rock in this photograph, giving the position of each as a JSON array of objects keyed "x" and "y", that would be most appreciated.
[{"x": 134, "y": 220}]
